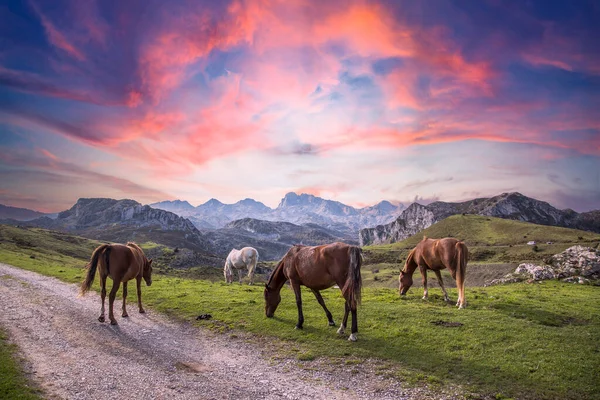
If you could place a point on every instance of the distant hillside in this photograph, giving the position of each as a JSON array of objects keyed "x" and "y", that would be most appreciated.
[
  {"x": 299, "y": 209},
  {"x": 512, "y": 206},
  {"x": 127, "y": 220},
  {"x": 492, "y": 240},
  {"x": 18, "y": 214},
  {"x": 60, "y": 248}
]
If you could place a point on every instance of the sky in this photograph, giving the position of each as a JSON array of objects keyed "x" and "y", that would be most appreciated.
[{"x": 354, "y": 101}]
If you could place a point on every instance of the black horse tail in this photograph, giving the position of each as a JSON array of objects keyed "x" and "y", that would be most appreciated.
[
  {"x": 352, "y": 288},
  {"x": 92, "y": 265}
]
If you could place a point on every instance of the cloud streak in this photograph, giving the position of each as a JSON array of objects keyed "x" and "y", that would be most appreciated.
[{"x": 173, "y": 88}]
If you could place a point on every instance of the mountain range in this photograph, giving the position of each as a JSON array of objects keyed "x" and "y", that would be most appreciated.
[
  {"x": 127, "y": 220},
  {"x": 292, "y": 222},
  {"x": 19, "y": 214},
  {"x": 298, "y": 209},
  {"x": 513, "y": 206}
]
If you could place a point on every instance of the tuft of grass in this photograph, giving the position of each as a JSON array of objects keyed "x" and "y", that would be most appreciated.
[{"x": 13, "y": 384}]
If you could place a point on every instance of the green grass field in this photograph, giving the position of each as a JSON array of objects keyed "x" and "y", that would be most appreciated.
[
  {"x": 538, "y": 341},
  {"x": 13, "y": 384}
]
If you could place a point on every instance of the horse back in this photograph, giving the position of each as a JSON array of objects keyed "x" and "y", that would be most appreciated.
[
  {"x": 318, "y": 267},
  {"x": 437, "y": 254},
  {"x": 125, "y": 262}
]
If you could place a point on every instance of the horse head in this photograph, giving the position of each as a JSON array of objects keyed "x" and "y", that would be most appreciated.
[
  {"x": 272, "y": 300},
  {"x": 147, "y": 274},
  {"x": 405, "y": 281}
]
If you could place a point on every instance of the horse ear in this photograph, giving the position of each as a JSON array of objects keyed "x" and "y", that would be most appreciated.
[{"x": 150, "y": 262}]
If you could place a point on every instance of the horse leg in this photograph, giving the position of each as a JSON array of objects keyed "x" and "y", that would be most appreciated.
[
  {"x": 111, "y": 300},
  {"x": 297, "y": 292},
  {"x": 251, "y": 274},
  {"x": 438, "y": 274},
  {"x": 322, "y": 303},
  {"x": 354, "y": 331},
  {"x": 124, "y": 300},
  {"x": 239, "y": 271},
  {"x": 424, "y": 276},
  {"x": 139, "y": 294},
  {"x": 345, "y": 319},
  {"x": 102, "y": 296},
  {"x": 460, "y": 284}
]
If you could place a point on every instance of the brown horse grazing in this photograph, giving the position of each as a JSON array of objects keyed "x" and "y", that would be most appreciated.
[
  {"x": 318, "y": 268},
  {"x": 122, "y": 263},
  {"x": 437, "y": 254}
]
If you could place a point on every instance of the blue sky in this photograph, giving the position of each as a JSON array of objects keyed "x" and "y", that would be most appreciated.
[{"x": 356, "y": 101}]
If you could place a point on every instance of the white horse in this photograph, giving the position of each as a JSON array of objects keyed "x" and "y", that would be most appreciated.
[{"x": 240, "y": 259}]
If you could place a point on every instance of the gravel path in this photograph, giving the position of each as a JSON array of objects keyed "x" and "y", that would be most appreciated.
[{"x": 147, "y": 356}]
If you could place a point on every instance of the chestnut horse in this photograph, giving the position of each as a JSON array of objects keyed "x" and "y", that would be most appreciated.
[
  {"x": 437, "y": 254},
  {"x": 318, "y": 268},
  {"x": 122, "y": 263}
]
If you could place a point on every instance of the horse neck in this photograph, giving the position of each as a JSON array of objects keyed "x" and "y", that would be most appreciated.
[{"x": 278, "y": 278}]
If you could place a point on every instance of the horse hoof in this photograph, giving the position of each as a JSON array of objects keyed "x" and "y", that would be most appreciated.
[
  {"x": 331, "y": 323},
  {"x": 125, "y": 315},
  {"x": 352, "y": 338},
  {"x": 114, "y": 322},
  {"x": 425, "y": 298},
  {"x": 101, "y": 318},
  {"x": 340, "y": 331},
  {"x": 298, "y": 327},
  {"x": 142, "y": 311}
]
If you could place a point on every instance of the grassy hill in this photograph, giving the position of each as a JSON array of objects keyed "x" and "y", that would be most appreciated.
[
  {"x": 496, "y": 247},
  {"x": 523, "y": 341},
  {"x": 42, "y": 249}
]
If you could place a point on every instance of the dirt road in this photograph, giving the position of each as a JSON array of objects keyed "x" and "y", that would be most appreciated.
[{"x": 73, "y": 356}]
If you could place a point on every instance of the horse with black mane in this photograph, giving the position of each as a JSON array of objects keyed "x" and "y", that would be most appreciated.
[
  {"x": 437, "y": 254},
  {"x": 318, "y": 268},
  {"x": 122, "y": 263}
]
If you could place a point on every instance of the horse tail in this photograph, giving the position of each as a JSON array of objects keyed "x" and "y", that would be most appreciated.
[
  {"x": 462, "y": 255},
  {"x": 352, "y": 288},
  {"x": 227, "y": 270},
  {"x": 252, "y": 266},
  {"x": 91, "y": 267}
]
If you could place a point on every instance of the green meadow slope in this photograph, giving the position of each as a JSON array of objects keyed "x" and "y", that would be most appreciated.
[
  {"x": 496, "y": 247},
  {"x": 527, "y": 341}
]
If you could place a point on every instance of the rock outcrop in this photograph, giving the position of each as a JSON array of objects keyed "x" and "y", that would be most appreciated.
[
  {"x": 513, "y": 206},
  {"x": 576, "y": 264}
]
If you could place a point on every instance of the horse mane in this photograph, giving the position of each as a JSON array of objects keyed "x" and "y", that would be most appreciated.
[
  {"x": 279, "y": 266},
  {"x": 134, "y": 245},
  {"x": 408, "y": 259}
]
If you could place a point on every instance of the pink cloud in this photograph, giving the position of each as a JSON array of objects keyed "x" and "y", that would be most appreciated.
[{"x": 56, "y": 37}]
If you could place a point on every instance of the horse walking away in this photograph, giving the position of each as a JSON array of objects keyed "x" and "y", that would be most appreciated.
[
  {"x": 437, "y": 254},
  {"x": 318, "y": 268},
  {"x": 239, "y": 260},
  {"x": 121, "y": 263}
]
